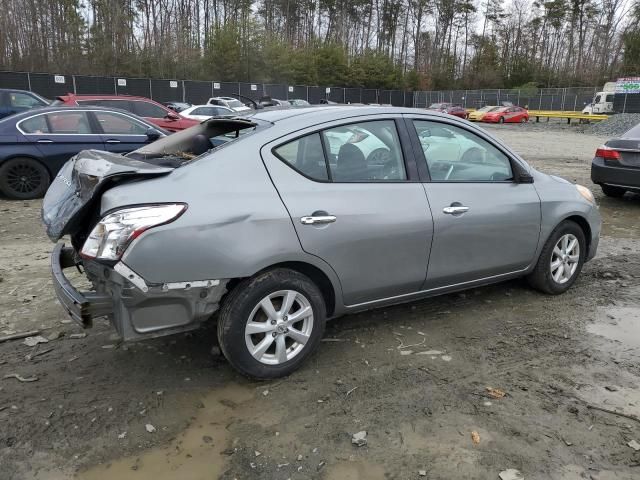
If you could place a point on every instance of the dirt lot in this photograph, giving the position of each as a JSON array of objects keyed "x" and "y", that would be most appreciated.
[{"x": 562, "y": 362}]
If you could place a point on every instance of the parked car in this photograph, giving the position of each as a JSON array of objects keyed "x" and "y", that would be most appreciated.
[
  {"x": 153, "y": 112},
  {"x": 177, "y": 106},
  {"x": 202, "y": 112},
  {"x": 35, "y": 144},
  {"x": 507, "y": 115},
  {"x": 298, "y": 102},
  {"x": 274, "y": 102},
  {"x": 276, "y": 234},
  {"x": 477, "y": 115},
  {"x": 450, "y": 108},
  {"x": 229, "y": 102},
  {"x": 616, "y": 165},
  {"x": 16, "y": 101}
]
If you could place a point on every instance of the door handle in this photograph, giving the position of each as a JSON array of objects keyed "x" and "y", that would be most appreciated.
[
  {"x": 318, "y": 219},
  {"x": 44, "y": 140},
  {"x": 455, "y": 210},
  {"x": 112, "y": 141}
]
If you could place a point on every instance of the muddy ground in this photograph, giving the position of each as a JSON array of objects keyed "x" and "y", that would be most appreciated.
[{"x": 562, "y": 362}]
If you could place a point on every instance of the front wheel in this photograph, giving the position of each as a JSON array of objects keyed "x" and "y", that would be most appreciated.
[
  {"x": 561, "y": 259},
  {"x": 271, "y": 323}
]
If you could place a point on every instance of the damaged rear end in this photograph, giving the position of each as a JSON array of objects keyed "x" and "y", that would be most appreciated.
[{"x": 136, "y": 307}]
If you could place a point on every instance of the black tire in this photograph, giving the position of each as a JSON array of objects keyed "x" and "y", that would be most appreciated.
[
  {"x": 611, "y": 191},
  {"x": 23, "y": 179},
  {"x": 501, "y": 120},
  {"x": 524, "y": 120},
  {"x": 238, "y": 306},
  {"x": 540, "y": 278}
]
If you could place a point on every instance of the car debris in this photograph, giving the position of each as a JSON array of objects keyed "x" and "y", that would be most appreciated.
[
  {"x": 422, "y": 473},
  {"x": 511, "y": 474},
  {"x": 150, "y": 428},
  {"x": 77, "y": 335},
  {"x": 495, "y": 392},
  {"x": 430, "y": 352},
  {"x": 33, "y": 341},
  {"x": 634, "y": 444},
  {"x": 20, "y": 378},
  {"x": 360, "y": 438},
  {"x": 475, "y": 438}
]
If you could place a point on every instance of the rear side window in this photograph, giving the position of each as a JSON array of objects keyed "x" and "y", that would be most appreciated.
[
  {"x": 35, "y": 125},
  {"x": 69, "y": 123},
  {"x": 148, "y": 109},
  {"x": 110, "y": 103},
  {"x": 306, "y": 156},
  {"x": 117, "y": 124}
]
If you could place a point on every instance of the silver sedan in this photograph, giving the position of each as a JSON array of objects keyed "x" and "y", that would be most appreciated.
[{"x": 273, "y": 222}]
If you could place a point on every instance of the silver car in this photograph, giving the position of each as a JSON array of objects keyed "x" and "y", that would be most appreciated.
[{"x": 302, "y": 215}]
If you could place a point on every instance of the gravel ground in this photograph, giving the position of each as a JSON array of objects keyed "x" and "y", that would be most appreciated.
[
  {"x": 615, "y": 125},
  {"x": 415, "y": 377}
]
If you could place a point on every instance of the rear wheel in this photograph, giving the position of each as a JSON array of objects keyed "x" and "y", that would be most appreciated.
[
  {"x": 23, "y": 178},
  {"x": 611, "y": 191},
  {"x": 271, "y": 323},
  {"x": 501, "y": 120},
  {"x": 561, "y": 259},
  {"x": 524, "y": 120}
]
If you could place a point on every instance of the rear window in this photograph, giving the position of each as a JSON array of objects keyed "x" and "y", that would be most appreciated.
[
  {"x": 306, "y": 156},
  {"x": 35, "y": 125}
]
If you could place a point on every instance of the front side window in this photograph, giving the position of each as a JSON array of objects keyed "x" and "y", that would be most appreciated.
[
  {"x": 116, "y": 124},
  {"x": 306, "y": 156},
  {"x": 454, "y": 154},
  {"x": 35, "y": 125},
  {"x": 21, "y": 100},
  {"x": 149, "y": 110},
  {"x": 69, "y": 123},
  {"x": 610, "y": 98}
]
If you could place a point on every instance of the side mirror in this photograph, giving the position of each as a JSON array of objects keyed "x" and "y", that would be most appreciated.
[
  {"x": 153, "y": 134},
  {"x": 524, "y": 178},
  {"x": 172, "y": 116}
]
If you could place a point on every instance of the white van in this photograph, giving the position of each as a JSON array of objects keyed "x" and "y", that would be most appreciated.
[{"x": 602, "y": 101}]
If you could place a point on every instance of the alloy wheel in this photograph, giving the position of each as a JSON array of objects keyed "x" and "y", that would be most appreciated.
[
  {"x": 565, "y": 258},
  {"x": 279, "y": 327},
  {"x": 23, "y": 178}
]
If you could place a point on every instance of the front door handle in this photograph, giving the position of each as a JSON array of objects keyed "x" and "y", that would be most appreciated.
[
  {"x": 112, "y": 141},
  {"x": 318, "y": 219},
  {"x": 44, "y": 140},
  {"x": 455, "y": 210}
]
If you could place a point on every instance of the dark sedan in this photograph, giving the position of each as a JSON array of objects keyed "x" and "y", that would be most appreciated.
[
  {"x": 16, "y": 101},
  {"x": 35, "y": 144},
  {"x": 616, "y": 165}
]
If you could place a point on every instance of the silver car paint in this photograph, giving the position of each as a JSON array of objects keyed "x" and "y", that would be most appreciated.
[{"x": 238, "y": 224}]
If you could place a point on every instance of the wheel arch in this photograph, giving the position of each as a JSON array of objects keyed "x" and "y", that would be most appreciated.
[
  {"x": 584, "y": 226},
  {"x": 315, "y": 274},
  {"x": 30, "y": 157}
]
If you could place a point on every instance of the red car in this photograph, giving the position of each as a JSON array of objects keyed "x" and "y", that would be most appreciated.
[
  {"x": 143, "y": 107},
  {"x": 450, "y": 108},
  {"x": 507, "y": 115}
]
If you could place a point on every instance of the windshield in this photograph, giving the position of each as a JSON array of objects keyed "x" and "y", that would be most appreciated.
[
  {"x": 438, "y": 105},
  {"x": 181, "y": 147},
  {"x": 486, "y": 109},
  {"x": 235, "y": 103},
  {"x": 501, "y": 109}
]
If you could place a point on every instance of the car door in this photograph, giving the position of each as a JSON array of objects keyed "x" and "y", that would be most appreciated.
[
  {"x": 362, "y": 211},
  {"x": 486, "y": 224},
  {"x": 120, "y": 133},
  {"x": 157, "y": 115},
  {"x": 60, "y": 135}
]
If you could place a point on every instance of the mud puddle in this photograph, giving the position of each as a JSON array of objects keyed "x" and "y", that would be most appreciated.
[
  {"x": 620, "y": 324},
  {"x": 201, "y": 452}
]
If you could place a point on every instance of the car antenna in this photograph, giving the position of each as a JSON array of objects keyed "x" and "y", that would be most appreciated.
[{"x": 256, "y": 105}]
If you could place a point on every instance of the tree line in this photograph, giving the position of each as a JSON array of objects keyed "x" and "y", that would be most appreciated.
[{"x": 394, "y": 44}]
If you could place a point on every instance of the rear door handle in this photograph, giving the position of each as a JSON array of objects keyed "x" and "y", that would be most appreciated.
[
  {"x": 44, "y": 140},
  {"x": 455, "y": 210},
  {"x": 318, "y": 219},
  {"x": 112, "y": 141}
]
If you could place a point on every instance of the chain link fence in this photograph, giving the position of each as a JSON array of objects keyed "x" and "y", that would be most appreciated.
[{"x": 198, "y": 92}]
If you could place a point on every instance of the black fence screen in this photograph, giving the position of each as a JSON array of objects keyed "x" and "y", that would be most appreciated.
[{"x": 197, "y": 92}]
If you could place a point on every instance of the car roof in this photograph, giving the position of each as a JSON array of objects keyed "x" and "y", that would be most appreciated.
[
  {"x": 63, "y": 108},
  {"x": 105, "y": 97},
  {"x": 16, "y": 90}
]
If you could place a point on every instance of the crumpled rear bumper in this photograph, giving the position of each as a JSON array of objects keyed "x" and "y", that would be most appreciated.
[
  {"x": 83, "y": 307},
  {"x": 136, "y": 309}
]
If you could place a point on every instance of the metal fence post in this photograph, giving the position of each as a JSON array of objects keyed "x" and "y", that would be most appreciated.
[
  {"x": 564, "y": 94},
  {"x": 575, "y": 102},
  {"x": 518, "y": 96},
  {"x": 150, "y": 90},
  {"x": 624, "y": 105},
  {"x": 183, "y": 92},
  {"x": 29, "y": 80},
  {"x": 540, "y": 102},
  {"x": 73, "y": 79},
  {"x": 115, "y": 86}
]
